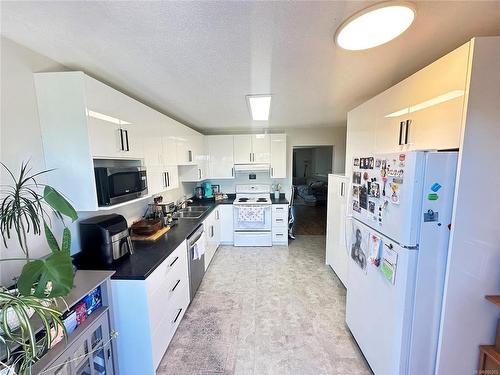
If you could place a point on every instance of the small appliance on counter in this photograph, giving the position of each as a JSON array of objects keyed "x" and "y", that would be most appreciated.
[
  {"x": 199, "y": 192},
  {"x": 207, "y": 187},
  {"x": 104, "y": 239}
]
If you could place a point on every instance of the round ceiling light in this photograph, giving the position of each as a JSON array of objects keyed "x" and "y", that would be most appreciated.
[{"x": 375, "y": 25}]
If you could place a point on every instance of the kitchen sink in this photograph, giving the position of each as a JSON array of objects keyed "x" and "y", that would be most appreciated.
[
  {"x": 194, "y": 209},
  {"x": 192, "y": 212}
]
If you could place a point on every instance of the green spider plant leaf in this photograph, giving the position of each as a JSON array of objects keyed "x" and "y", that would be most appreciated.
[
  {"x": 55, "y": 200},
  {"x": 56, "y": 269},
  {"x": 66, "y": 240},
  {"x": 51, "y": 240}
]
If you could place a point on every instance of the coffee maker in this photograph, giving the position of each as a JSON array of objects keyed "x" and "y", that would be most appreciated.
[{"x": 105, "y": 239}]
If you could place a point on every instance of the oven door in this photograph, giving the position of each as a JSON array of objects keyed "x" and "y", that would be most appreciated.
[
  {"x": 248, "y": 217},
  {"x": 125, "y": 184}
]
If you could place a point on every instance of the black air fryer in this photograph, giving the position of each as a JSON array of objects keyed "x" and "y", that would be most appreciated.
[{"x": 104, "y": 239}]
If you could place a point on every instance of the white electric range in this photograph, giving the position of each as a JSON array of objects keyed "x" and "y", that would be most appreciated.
[{"x": 252, "y": 216}]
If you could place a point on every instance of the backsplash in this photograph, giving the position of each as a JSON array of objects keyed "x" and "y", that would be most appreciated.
[
  {"x": 131, "y": 212},
  {"x": 229, "y": 186}
]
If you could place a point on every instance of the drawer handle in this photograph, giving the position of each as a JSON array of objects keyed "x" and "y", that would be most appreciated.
[
  {"x": 175, "y": 286},
  {"x": 177, "y": 316},
  {"x": 279, "y": 208},
  {"x": 279, "y": 219},
  {"x": 279, "y": 234},
  {"x": 175, "y": 260}
]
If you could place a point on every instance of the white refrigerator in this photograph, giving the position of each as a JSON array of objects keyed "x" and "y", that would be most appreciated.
[{"x": 401, "y": 207}]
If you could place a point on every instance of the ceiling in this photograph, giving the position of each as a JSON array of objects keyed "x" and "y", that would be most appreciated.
[{"x": 196, "y": 61}]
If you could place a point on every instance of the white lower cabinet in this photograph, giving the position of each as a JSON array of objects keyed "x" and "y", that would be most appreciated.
[
  {"x": 226, "y": 224},
  {"x": 147, "y": 313},
  {"x": 280, "y": 224},
  {"x": 212, "y": 226}
]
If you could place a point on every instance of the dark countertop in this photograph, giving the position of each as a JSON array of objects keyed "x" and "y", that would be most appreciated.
[
  {"x": 281, "y": 200},
  {"x": 148, "y": 255}
]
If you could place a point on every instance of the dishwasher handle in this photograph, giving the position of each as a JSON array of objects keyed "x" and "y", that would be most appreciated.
[{"x": 195, "y": 236}]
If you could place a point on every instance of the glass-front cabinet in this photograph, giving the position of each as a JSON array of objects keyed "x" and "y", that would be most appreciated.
[{"x": 89, "y": 354}]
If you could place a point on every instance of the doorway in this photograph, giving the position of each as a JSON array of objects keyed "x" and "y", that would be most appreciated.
[{"x": 310, "y": 168}]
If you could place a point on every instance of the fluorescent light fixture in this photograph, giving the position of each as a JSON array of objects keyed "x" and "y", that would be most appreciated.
[
  {"x": 429, "y": 103},
  {"x": 375, "y": 25},
  {"x": 259, "y": 106},
  {"x": 103, "y": 117}
]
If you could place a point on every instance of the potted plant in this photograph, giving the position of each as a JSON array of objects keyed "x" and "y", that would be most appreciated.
[
  {"x": 27, "y": 206},
  {"x": 276, "y": 189}
]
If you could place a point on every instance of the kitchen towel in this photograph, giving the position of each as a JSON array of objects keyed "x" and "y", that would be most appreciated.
[
  {"x": 252, "y": 214},
  {"x": 199, "y": 247}
]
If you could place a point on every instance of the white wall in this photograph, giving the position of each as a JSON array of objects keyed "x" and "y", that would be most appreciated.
[
  {"x": 468, "y": 319},
  {"x": 20, "y": 138},
  {"x": 20, "y": 135}
]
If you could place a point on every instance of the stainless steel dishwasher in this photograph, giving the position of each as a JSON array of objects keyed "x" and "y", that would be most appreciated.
[{"x": 196, "y": 264}]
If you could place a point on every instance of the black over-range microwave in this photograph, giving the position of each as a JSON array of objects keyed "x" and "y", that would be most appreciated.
[{"x": 119, "y": 184}]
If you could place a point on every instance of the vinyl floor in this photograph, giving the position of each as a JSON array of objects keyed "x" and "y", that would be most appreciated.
[{"x": 264, "y": 311}]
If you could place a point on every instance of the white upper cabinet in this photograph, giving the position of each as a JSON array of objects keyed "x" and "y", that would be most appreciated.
[
  {"x": 437, "y": 102},
  {"x": 220, "y": 153},
  {"x": 423, "y": 112},
  {"x": 261, "y": 148},
  {"x": 116, "y": 122},
  {"x": 390, "y": 113},
  {"x": 253, "y": 148},
  {"x": 242, "y": 149},
  {"x": 82, "y": 120},
  {"x": 278, "y": 155}
]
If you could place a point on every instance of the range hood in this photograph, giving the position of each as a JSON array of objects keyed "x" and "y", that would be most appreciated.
[{"x": 249, "y": 168}]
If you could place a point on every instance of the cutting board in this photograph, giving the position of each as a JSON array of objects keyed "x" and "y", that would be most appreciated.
[{"x": 151, "y": 237}]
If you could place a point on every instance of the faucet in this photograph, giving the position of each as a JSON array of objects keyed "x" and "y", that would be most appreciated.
[{"x": 181, "y": 202}]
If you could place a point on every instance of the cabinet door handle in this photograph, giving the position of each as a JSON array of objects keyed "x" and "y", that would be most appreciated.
[
  {"x": 341, "y": 189},
  {"x": 212, "y": 231},
  {"x": 165, "y": 179},
  {"x": 175, "y": 286},
  {"x": 177, "y": 316},
  {"x": 217, "y": 214},
  {"x": 199, "y": 174},
  {"x": 190, "y": 156},
  {"x": 272, "y": 172},
  {"x": 168, "y": 179},
  {"x": 175, "y": 260},
  {"x": 401, "y": 124},
  {"x": 126, "y": 139},
  {"x": 250, "y": 156},
  {"x": 407, "y": 130},
  {"x": 232, "y": 171},
  {"x": 122, "y": 147}
]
